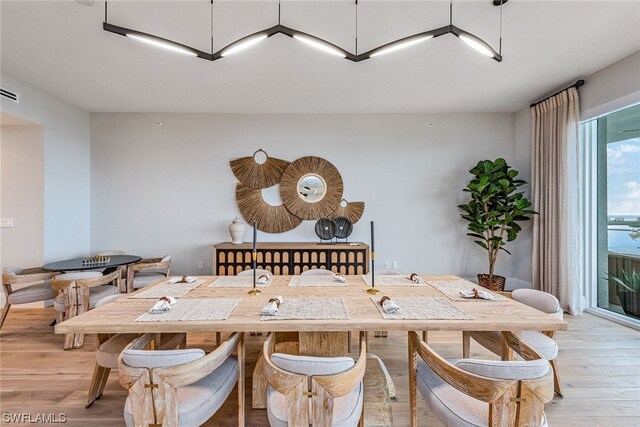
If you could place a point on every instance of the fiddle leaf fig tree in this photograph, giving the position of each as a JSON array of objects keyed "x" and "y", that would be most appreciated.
[{"x": 496, "y": 207}]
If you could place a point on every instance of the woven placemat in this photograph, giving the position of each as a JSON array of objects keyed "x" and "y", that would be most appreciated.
[
  {"x": 311, "y": 308},
  {"x": 391, "y": 280},
  {"x": 423, "y": 308},
  {"x": 176, "y": 290},
  {"x": 329, "y": 281},
  {"x": 452, "y": 288},
  {"x": 195, "y": 309},
  {"x": 237, "y": 282}
]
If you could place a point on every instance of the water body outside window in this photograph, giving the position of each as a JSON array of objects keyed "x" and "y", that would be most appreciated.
[{"x": 619, "y": 212}]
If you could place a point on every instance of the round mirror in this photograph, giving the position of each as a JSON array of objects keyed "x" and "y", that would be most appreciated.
[{"x": 312, "y": 188}]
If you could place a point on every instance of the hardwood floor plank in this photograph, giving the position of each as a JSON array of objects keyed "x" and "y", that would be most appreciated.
[{"x": 598, "y": 362}]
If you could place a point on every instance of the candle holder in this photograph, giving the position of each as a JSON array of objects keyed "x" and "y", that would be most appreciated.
[
  {"x": 372, "y": 290},
  {"x": 254, "y": 257}
]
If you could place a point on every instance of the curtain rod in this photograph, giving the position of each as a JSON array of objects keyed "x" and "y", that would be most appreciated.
[{"x": 577, "y": 84}]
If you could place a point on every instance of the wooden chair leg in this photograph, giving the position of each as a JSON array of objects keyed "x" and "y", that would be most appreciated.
[
  {"x": 466, "y": 344},
  {"x": 259, "y": 383},
  {"x": 413, "y": 365},
  {"x": 5, "y": 311},
  {"x": 218, "y": 339},
  {"x": 507, "y": 352},
  {"x": 425, "y": 336},
  {"x": 557, "y": 386},
  {"x": 98, "y": 383},
  {"x": 349, "y": 342},
  {"x": 241, "y": 393}
]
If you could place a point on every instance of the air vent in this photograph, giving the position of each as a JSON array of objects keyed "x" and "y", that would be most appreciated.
[{"x": 10, "y": 95}]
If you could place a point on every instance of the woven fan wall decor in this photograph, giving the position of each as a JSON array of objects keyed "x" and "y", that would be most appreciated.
[
  {"x": 298, "y": 204},
  {"x": 255, "y": 175},
  {"x": 270, "y": 219}
]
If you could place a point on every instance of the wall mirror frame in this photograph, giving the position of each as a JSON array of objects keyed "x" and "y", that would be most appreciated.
[{"x": 294, "y": 175}]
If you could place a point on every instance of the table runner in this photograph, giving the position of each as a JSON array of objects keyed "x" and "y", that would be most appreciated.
[
  {"x": 423, "y": 308},
  {"x": 310, "y": 308},
  {"x": 195, "y": 309},
  {"x": 452, "y": 290},
  {"x": 237, "y": 282},
  {"x": 329, "y": 281},
  {"x": 392, "y": 280},
  {"x": 176, "y": 290}
]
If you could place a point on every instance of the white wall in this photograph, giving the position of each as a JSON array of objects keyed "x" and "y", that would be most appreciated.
[
  {"x": 66, "y": 167},
  {"x": 168, "y": 189},
  {"x": 22, "y": 184}
]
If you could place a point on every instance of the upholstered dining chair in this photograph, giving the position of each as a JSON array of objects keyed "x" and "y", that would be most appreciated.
[
  {"x": 317, "y": 272},
  {"x": 37, "y": 287},
  {"x": 110, "y": 347},
  {"x": 473, "y": 392},
  {"x": 321, "y": 391},
  {"x": 76, "y": 293},
  {"x": 259, "y": 271},
  {"x": 542, "y": 342},
  {"x": 147, "y": 271},
  {"x": 181, "y": 387}
]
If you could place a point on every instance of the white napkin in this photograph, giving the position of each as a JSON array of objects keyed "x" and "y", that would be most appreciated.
[
  {"x": 481, "y": 294},
  {"x": 339, "y": 278},
  {"x": 187, "y": 279},
  {"x": 263, "y": 279},
  {"x": 271, "y": 309},
  {"x": 415, "y": 278},
  {"x": 163, "y": 305},
  {"x": 390, "y": 307}
]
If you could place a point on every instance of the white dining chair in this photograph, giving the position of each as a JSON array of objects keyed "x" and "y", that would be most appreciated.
[
  {"x": 318, "y": 391},
  {"x": 78, "y": 292},
  {"x": 147, "y": 271},
  {"x": 542, "y": 342},
  {"x": 317, "y": 272},
  {"x": 473, "y": 392},
  {"x": 181, "y": 387},
  {"x": 110, "y": 347},
  {"x": 259, "y": 271},
  {"x": 35, "y": 286}
]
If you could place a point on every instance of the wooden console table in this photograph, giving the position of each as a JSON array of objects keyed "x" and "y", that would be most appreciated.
[{"x": 285, "y": 258}]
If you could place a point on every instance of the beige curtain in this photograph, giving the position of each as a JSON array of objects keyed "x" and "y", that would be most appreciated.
[{"x": 556, "y": 230}]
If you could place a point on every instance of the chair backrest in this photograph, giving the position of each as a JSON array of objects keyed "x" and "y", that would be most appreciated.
[
  {"x": 112, "y": 253},
  {"x": 323, "y": 379},
  {"x": 12, "y": 271},
  {"x": 388, "y": 272},
  {"x": 259, "y": 271},
  {"x": 317, "y": 272},
  {"x": 539, "y": 300},
  {"x": 515, "y": 390},
  {"x": 152, "y": 377}
]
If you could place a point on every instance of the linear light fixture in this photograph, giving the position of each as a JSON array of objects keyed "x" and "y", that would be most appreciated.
[{"x": 246, "y": 42}]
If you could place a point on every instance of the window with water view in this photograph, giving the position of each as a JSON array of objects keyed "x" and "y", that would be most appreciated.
[{"x": 619, "y": 212}]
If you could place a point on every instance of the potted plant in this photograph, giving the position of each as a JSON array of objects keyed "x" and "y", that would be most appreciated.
[
  {"x": 628, "y": 284},
  {"x": 494, "y": 212}
]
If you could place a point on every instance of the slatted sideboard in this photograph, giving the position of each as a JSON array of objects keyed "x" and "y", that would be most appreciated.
[{"x": 291, "y": 258}]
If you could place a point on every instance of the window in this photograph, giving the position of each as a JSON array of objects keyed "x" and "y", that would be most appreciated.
[{"x": 618, "y": 217}]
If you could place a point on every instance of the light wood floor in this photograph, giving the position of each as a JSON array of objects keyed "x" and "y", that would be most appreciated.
[{"x": 599, "y": 362}]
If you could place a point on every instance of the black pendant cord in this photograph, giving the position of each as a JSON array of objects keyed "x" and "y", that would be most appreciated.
[
  {"x": 450, "y": 12},
  {"x": 279, "y": 11},
  {"x": 105, "y": 11},
  {"x": 212, "y": 28},
  {"x": 356, "y": 28},
  {"x": 577, "y": 85}
]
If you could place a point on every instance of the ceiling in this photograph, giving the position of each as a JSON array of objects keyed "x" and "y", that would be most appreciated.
[{"x": 60, "y": 47}]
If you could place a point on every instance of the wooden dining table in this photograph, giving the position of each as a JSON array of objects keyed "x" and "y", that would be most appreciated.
[
  {"x": 326, "y": 337},
  {"x": 363, "y": 315}
]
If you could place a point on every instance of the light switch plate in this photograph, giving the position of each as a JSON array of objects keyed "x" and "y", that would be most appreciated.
[{"x": 6, "y": 222}]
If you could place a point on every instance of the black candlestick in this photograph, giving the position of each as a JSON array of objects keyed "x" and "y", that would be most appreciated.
[
  {"x": 254, "y": 258},
  {"x": 373, "y": 289}
]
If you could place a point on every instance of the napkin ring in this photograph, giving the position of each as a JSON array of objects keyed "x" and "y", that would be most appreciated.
[
  {"x": 413, "y": 277},
  {"x": 276, "y": 300},
  {"x": 165, "y": 299},
  {"x": 184, "y": 279},
  {"x": 476, "y": 294},
  {"x": 383, "y": 299},
  {"x": 263, "y": 276}
]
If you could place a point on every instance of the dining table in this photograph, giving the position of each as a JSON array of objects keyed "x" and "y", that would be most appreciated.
[{"x": 332, "y": 311}]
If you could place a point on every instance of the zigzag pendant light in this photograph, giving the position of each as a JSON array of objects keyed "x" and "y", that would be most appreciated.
[{"x": 310, "y": 40}]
